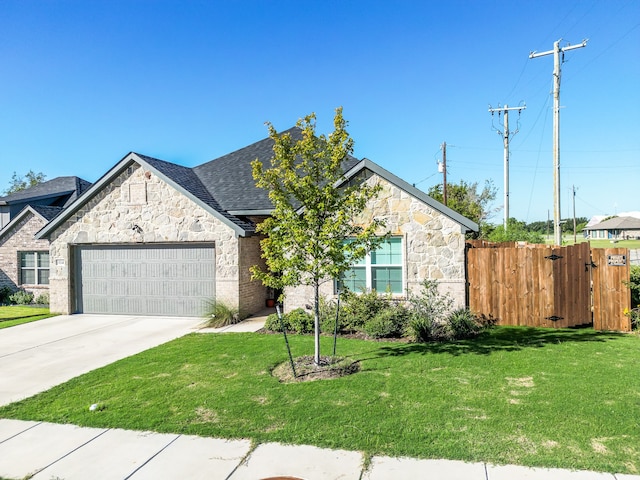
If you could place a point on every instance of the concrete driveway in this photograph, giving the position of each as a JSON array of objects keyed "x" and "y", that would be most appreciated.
[{"x": 39, "y": 355}]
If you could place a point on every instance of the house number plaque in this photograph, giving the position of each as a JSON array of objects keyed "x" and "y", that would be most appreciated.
[{"x": 616, "y": 260}]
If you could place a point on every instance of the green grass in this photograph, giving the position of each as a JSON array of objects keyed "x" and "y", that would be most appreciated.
[
  {"x": 17, "y": 315},
  {"x": 598, "y": 243},
  {"x": 552, "y": 398}
]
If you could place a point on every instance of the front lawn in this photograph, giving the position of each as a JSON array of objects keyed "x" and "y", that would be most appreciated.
[
  {"x": 568, "y": 398},
  {"x": 17, "y": 315}
]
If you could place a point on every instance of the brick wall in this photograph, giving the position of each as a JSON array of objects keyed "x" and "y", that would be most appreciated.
[
  {"x": 252, "y": 293},
  {"x": 20, "y": 238}
]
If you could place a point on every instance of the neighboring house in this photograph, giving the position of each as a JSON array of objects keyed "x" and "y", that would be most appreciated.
[
  {"x": 616, "y": 228},
  {"x": 152, "y": 237},
  {"x": 24, "y": 260},
  {"x": 59, "y": 192}
]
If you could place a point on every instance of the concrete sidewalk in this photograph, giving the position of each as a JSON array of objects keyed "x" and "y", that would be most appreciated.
[{"x": 52, "y": 451}]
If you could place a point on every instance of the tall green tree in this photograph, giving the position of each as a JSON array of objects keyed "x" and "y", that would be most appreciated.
[
  {"x": 310, "y": 237},
  {"x": 19, "y": 182},
  {"x": 467, "y": 200}
]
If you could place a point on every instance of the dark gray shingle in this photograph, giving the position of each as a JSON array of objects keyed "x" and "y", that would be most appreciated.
[
  {"x": 49, "y": 213},
  {"x": 50, "y": 188},
  {"x": 230, "y": 181}
]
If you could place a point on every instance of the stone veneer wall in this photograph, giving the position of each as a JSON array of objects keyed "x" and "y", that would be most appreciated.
[
  {"x": 20, "y": 239},
  {"x": 138, "y": 197},
  {"x": 433, "y": 245}
]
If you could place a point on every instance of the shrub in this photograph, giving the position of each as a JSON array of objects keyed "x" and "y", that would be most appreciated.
[
  {"x": 273, "y": 323},
  {"x": 21, "y": 297},
  {"x": 42, "y": 299},
  {"x": 464, "y": 323},
  {"x": 300, "y": 321},
  {"x": 634, "y": 285},
  {"x": 357, "y": 309},
  {"x": 5, "y": 293},
  {"x": 219, "y": 314},
  {"x": 634, "y": 316},
  {"x": 433, "y": 317},
  {"x": 388, "y": 323},
  {"x": 430, "y": 303},
  {"x": 297, "y": 321}
]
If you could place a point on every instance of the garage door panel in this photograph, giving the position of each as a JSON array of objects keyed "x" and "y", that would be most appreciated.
[{"x": 175, "y": 280}]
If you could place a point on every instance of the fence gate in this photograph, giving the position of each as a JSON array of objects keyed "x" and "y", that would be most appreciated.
[
  {"x": 545, "y": 286},
  {"x": 610, "y": 270}
]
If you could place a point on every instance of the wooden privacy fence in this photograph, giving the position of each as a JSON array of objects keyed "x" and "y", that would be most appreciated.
[{"x": 546, "y": 286}]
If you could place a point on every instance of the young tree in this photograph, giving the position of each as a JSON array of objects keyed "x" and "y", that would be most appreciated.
[
  {"x": 310, "y": 237},
  {"x": 19, "y": 182}
]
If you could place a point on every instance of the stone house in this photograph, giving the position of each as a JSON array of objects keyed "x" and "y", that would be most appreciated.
[
  {"x": 24, "y": 260},
  {"x": 152, "y": 237}
]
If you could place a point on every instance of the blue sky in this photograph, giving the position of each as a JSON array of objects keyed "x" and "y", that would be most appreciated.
[{"x": 85, "y": 82}]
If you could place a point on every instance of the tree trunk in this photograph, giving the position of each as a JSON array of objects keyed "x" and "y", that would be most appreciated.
[{"x": 316, "y": 321}]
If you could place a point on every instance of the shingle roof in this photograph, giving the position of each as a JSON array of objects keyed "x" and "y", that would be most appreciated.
[
  {"x": 226, "y": 188},
  {"x": 617, "y": 223},
  {"x": 50, "y": 188},
  {"x": 48, "y": 213},
  {"x": 229, "y": 178}
]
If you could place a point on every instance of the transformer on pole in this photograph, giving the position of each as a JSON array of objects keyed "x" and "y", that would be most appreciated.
[{"x": 505, "y": 136}]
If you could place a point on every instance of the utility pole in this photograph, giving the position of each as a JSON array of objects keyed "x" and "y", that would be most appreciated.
[
  {"x": 442, "y": 167},
  {"x": 557, "y": 232},
  {"x": 505, "y": 137}
]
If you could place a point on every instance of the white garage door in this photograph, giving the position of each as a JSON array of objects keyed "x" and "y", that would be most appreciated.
[{"x": 173, "y": 280}]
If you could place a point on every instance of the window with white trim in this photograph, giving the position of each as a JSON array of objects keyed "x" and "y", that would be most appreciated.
[
  {"x": 34, "y": 268},
  {"x": 380, "y": 270}
]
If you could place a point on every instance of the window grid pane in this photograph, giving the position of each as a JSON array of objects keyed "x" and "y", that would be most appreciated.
[
  {"x": 387, "y": 279},
  {"x": 43, "y": 277},
  {"x": 28, "y": 276},
  {"x": 28, "y": 259},
  {"x": 388, "y": 253},
  {"x": 355, "y": 279},
  {"x": 43, "y": 260}
]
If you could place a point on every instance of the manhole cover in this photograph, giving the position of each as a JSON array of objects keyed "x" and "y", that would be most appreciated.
[{"x": 283, "y": 478}]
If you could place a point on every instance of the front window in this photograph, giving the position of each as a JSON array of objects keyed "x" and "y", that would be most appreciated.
[
  {"x": 380, "y": 270},
  {"x": 34, "y": 268}
]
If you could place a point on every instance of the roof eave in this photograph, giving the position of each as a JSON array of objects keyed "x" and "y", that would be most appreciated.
[
  {"x": 129, "y": 159},
  {"x": 19, "y": 217},
  {"x": 27, "y": 199},
  {"x": 248, "y": 213}
]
